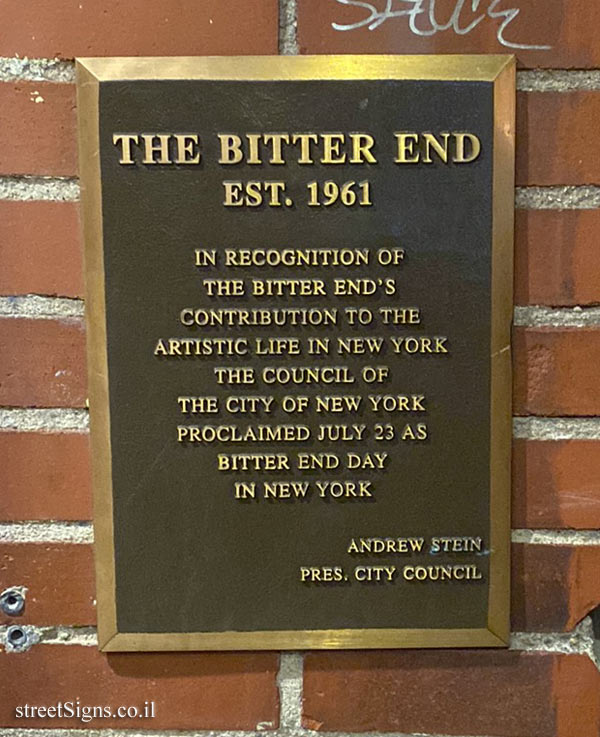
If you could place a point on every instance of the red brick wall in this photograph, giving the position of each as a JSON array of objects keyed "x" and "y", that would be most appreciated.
[{"x": 547, "y": 684}]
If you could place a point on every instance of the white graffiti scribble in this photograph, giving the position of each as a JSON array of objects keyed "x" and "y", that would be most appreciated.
[{"x": 423, "y": 21}]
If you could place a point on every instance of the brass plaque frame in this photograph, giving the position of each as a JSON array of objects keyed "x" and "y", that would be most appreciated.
[{"x": 496, "y": 69}]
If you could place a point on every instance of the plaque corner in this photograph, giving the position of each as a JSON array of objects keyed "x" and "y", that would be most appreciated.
[{"x": 107, "y": 639}]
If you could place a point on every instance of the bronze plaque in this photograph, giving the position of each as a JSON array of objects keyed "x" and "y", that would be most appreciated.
[{"x": 299, "y": 303}]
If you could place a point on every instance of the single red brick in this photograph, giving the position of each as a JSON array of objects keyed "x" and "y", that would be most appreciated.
[
  {"x": 40, "y": 248},
  {"x": 576, "y": 697},
  {"x": 37, "y": 128},
  {"x": 539, "y": 587},
  {"x": 45, "y": 476},
  {"x": 584, "y": 582},
  {"x": 192, "y": 691},
  {"x": 556, "y": 483},
  {"x": 556, "y": 371},
  {"x": 453, "y": 692},
  {"x": 553, "y": 586},
  {"x": 556, "y": 258},
  {"x": 559, "y": 122},
  {"x": 42, "y": 363},
  {"x": 70, "y": 28},
  {"x": 59, "y": 581},
  {"x": 567, "y": 27}
]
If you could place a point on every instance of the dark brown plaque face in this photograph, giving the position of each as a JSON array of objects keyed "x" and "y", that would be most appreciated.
[{"x": 299, "y": 302}]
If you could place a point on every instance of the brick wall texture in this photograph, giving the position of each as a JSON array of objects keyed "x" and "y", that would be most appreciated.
[{"x": 548, "y": 683}]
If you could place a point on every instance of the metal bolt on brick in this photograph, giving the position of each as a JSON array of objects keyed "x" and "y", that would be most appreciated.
[
  {"x": 17, "y": 638},
  {"x": 12, "y": 601}
]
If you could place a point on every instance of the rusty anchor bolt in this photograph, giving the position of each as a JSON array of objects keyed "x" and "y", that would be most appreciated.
[{"x": 12, "y": 602}]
